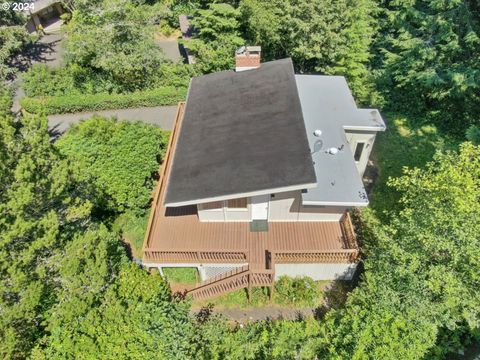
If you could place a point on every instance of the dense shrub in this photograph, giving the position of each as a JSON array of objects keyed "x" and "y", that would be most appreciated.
[
  {"x": 298, "y": 290},
  {"x": 41, "y": 80},
  {"x": 118, "y": 157},
  {"x": 92, "y": 102}
]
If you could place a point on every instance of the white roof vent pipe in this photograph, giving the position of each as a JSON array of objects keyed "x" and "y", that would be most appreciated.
[{"x": 317, "y": 133}]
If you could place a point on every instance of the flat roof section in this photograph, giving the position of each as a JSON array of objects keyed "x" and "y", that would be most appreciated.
[
  {"x": 328, "y": 105},
  {"x": 242, "y": 134}
]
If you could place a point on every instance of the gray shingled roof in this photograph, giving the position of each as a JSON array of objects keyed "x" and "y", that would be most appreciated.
[{"x": 242, "y": 133}]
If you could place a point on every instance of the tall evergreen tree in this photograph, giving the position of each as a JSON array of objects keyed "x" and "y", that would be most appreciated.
[
  {"x": 325, "y": 36},
  {"x": 430, "y": 60},
  {"x": 39, "y": 207}
]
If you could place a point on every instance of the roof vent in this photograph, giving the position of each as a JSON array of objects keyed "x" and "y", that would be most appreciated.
[
  {"x": 333, "y": 151},
  {"x": 317, "y": 133}
]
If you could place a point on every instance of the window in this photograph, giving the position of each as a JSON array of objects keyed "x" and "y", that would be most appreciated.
[
  {"x": 358, "y": 151},
  {"x": 237, "y": 203},
  {"x": 217, "y": 205}
]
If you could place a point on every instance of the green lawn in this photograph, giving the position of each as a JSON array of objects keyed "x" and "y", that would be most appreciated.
[
  {"x": 181, "y": 275},
  {"x": 402, "y": 145}
]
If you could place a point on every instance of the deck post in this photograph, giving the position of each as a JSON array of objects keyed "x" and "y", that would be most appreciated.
[
  {"x": 202, "y": 273},
  {"x": 160, "y": 271}
]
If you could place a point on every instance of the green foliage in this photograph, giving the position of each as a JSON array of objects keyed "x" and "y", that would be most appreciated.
[
  {"x": 11, "y": 18},
  {"x": 297, "y": 291},
  {"x": 428, "y": 56},
  {"x": 422, "y": 272},
  {"x": 12, "y": 39},
  {"x": 260, "y": 340},
  {"x": 109, "y": 308},
  {"x": 41, "y": 80},
  {"x": 115, "y": 39},
  {"x": 330, "y": 37},
  {"x": 40, "y": 207},
  {"x": 473, "y": 134},
  {"x": 288, "y": 292},
  {"x": 217, "y": 39},
  {"x": 118, "y": 157},
  {"x": 406, "y": 142},
  {"x": 103, "y": 101},
  {"x": 131, "y": 227}
]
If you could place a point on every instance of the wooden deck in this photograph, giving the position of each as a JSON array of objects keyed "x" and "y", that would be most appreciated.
[{"x": 175, "y": 235}]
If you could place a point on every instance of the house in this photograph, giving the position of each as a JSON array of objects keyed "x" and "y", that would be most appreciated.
[
  {"x": 260, "y": 172},
  {"x": 45, "y": 13}
]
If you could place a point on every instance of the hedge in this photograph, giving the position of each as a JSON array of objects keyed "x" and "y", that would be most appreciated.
[{"x": 103, "y": 101}]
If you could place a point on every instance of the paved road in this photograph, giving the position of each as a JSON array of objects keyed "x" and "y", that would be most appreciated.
[
  {"x": 162, "y": 116},
  {"x": 47, "y": 50},
  {"x": 170, "y": 49}
]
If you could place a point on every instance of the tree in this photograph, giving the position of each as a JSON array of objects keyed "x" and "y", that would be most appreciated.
[
  {"x": 423, "y": 270},
  {"x": 429, "y": 61},
  {"x": 118, "y": 159},
  {"x": 473, "y": 134},
  {"x": 39, "y": 207},
  {"x": 110, "y": 308},
  {"x": 114, "y": 38},
  {"x": 12, "y": 39},
  {"x": 217, "y": 39},
  {"x": 330, "y": 37}
]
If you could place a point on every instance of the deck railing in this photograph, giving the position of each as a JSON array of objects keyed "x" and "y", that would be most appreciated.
[
  {"x": 348, "y": 231},
  {"x": 238, "y": 278},
  {"x": 161, "y": 183},
  {"x": 315, "y": 256},
  {"x": 199, "y": 256}
]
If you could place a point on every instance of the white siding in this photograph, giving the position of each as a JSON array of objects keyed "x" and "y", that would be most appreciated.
[
  {"x": 317, "y": 271},
  {"x": 284, "y": 206},
  {"x": 281, "y": 207},
  {"x": 354, "y": 137},
  {"x": 287, "y": 207},
  {"x": 224, "y": 213}
]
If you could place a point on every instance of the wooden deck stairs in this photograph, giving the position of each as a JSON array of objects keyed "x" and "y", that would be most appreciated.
[{"x": 240, "y": 278}]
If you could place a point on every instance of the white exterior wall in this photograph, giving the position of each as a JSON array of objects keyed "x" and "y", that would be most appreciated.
[
  {"x": 287, "y": 207},
  {"x": 354, "y": 137},
  {"x": 284, "y": 206},
  {"x": 318, "y": 271},
  {"x": 225, "y": 214}
]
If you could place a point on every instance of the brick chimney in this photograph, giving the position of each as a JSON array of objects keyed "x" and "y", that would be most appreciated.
[{"x": 247, "y": 58}]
